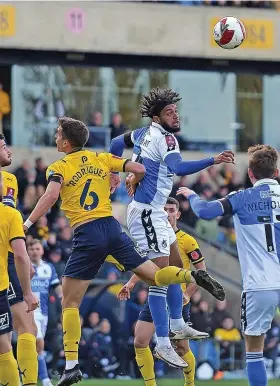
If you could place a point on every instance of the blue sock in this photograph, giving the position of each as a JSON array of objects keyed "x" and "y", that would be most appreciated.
[
  {"x": 158, "y": 308},
  {"x": 42, "y": 367},
  {"x": 256, "y": 369},
  {"x": 175, "y": 305}
]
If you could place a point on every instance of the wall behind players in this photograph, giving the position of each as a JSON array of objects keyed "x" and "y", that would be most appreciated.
[{"x": 212, "y": 102}]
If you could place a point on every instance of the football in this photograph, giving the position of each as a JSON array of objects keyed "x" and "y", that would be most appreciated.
[{"x": 229, "y": 33}]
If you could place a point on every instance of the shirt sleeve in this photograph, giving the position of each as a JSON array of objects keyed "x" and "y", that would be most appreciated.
[
  {"x": 168, "y": 144},
  {"x": 16, "y": 227},
  {"x": 192, "y": 250},
  {"x": 233, "y": 202},
  {"x": 56, "y": 172},
  {"x": 54, "y": 278},
  {"x": 115, "y": 164}
]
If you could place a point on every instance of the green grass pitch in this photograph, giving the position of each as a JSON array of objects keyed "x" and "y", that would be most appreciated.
[{"x": 169, "y": 382}]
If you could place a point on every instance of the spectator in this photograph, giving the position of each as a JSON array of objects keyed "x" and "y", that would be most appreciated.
[
  {"x": 56, "y": 259},
  {"x": 40, "y": 179},
  {"x": 65, "y": 242},
  {"x": 96, "y": 139},
  {"x": 133, "y": 308},
  {"x": 228, "y": 337},
  {"x": 201, "y": 184},
  {"x": 40, "y": 230},
  {"x": 117, "y": 127},
  {"x": 22, "y": 175},
  {"x": 219, "y": 313},
  {"x": 5, "y": 106}
]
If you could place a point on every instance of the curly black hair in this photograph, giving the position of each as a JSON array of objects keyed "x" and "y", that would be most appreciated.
[{"x": 156, "y": 100}]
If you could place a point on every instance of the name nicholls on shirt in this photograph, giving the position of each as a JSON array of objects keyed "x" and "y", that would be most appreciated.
[{"x": 264, "y": 205}]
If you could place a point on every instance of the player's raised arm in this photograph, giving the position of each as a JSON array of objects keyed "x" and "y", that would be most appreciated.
[
  {"x": 124, "y": 141},
  {"x": 45, "y": 203},
  {"x": 22, "y": 261},
  {"x": 182, "y": 168},
  {"x": 209, "y": 210}
]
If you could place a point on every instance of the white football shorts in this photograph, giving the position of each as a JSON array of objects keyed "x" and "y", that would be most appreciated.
[
  {"x": 41, "y": 323},
  {"x": 150, "y": 229},
  {"x": 258, "y": 309}
]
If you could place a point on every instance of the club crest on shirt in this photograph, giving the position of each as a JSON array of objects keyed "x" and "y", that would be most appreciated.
[
  {"x": 10, "y": 192},
  {"x": 170, "y": 142}
]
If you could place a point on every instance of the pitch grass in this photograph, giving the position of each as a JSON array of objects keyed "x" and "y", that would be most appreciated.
[{"x": 168, "y": 382}]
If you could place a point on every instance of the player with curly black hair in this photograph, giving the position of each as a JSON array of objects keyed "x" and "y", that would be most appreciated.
[{"x": 156, "y": 147}]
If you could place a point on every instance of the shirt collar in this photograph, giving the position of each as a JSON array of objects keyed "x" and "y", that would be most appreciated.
[
  {"x": 268, "y": 181},
  {"x": 159, "y": 127}
]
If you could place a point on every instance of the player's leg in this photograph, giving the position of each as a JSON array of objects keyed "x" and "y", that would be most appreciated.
[
  {"x": 183, "y": 349},
  {"x": 25, "y": 327},
  {"x": 150, "y": 228},
  {"x": 90, "y": 244},
  {"x": 8, "y": 365},
  {"x": 258, "y": 309},
  {"x": 151, "y": 274},
  {"x": 41, "y": 322},
  {"x": 174, "y": 293},
  {"x": 132, "y": 258},
  {"x": 144, "y": 331}
]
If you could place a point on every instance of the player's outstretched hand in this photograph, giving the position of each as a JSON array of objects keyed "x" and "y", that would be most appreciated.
[
  {"x": 124, "y": 293},
  {"x": 115, "y": 181},
  {"x": 186, "y": 192},
  {"x": 25, "y": 229},
  {"x": 129, "y": 185},
  {"x": 226, "y": 156},
  {"x": 31, "y": 301}
]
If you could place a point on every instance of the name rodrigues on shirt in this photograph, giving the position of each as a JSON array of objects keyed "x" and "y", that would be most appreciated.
[{"x": 84, "y": 171}]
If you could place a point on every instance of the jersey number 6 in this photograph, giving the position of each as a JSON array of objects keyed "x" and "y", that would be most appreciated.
[{"x": 93, "y": 195}]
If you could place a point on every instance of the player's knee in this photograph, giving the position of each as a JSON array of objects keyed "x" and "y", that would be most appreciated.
[
  {"x": 23, "y": 322},
  {"x": 181, "y": 351},
  {"x": 5, "y": 343},
  {"x": 181, "y": 347},
  {"x": 40, "y": 346},
  {"x": 141, "y": 342}
]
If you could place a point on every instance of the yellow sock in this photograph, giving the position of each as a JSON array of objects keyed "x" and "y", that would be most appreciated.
[
  {"x": 9, "y": 370},
  {"x": 27, "y": 359},
  {"x": 71, "y": 333},
  {"x": 189, "y": 372},
  {"x": 145, "y": 362},
  {"x": 172, "y": 275}
]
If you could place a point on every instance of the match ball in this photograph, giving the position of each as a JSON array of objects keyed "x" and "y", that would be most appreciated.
[{"x": 229, "y": 33}]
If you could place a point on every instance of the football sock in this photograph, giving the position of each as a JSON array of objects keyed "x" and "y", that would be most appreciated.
[
  {"x": 9, "y": 370},
  {"x": 27, "y": 359},
  {"x": 173, "y": 275},
  {"x": 158, "y": 308},
  {"x": 43, "y": 371},
  {"x": 256, "y": 369},
  {"x": 71, "y": 335},
  {"x": 189, "y": 372},
  {"x": 175, "y": 305},
  {"x": 145, "y": 362}
]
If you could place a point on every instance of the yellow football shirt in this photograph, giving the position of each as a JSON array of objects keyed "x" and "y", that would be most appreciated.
[
  {"x": 232, "y": 335},
  {"x": 189, "y": 251},
  {"x": 11, "y": 228},
  {"x": 10, "y": 188},
  {"x": 85, "y": 179}
]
